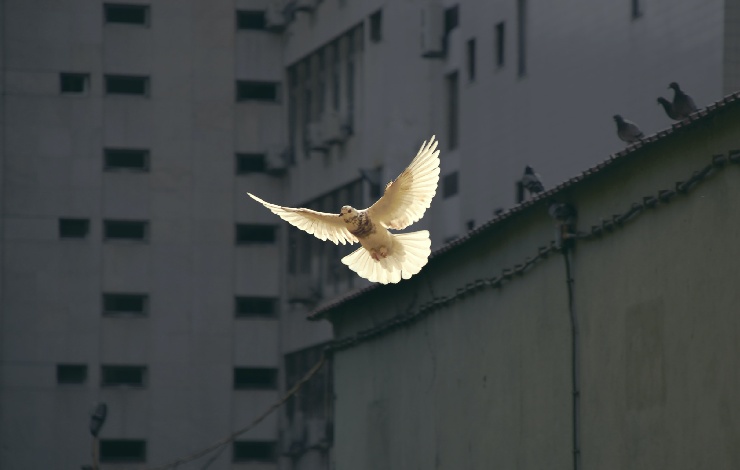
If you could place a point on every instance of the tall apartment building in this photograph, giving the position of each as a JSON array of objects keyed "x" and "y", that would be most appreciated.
[{"x": 135, "y": 270}]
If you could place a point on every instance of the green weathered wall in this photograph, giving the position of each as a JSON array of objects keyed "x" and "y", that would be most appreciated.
[{"x": 485, "y": 382}]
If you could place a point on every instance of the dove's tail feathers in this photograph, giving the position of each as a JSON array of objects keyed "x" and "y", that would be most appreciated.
[{"x": 409, "y": 253}]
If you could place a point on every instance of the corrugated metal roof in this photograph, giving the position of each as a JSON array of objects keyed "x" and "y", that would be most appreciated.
[{"x": 699, "y": 116}]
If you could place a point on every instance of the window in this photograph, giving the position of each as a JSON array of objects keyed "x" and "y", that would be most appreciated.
[
  {"x": 376, "y": 26},
  {"x": 636, "y": 9},
  {"x": 471, "y": 59},
  {"x": 449, "y": 185},
  {"x": 250, "y": 19},
  {"x": 470, "y": 224},
  {"x": 126, "y": 159},
  {"x": 74, "y": 82},
  {"x": 256, "y": 91},
  {"x": 521, "y": 18},
  {"x": 125, "y": 304},
  {"x": 122, "y": 450},
  {"x": 451, "y": 18},
  {"x": 125, "y": 230},
  {"x": 250, "y": 163},
  {"x": 265, "y": 307},
  {"x": 255, "y": 451},
  {"x": 335, "y": 84},
  {"x": 127, "y": 85},
  {"x": 255, "y": 233},
  {"x": 257, "y": 378},
  {"x": 126, "y": 14},
  {"x": 71, "y": 373},
  {"x": 74, "y": 228},
  {"x": 500, "y": 45},
  {"x": 115, "y": 376},
  {"x": 452, "y": 111}
]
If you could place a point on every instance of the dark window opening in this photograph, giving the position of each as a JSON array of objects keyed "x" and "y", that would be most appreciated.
[
  {"x": 521, "y": 17},
  {"x": 452, "y": 18},
  {"x": 250, "y": 19},
  {"x": 256, "y": 306},
  {"x": 470, "y": 224},
  {"x": 636, "y": 9},
  {"x": 257, "y": 378},
  {"x": 126, "y": 14},
  {"x": 132, "y": 376},
  {"x": 449, "y": 185},
  {"x": 73, "y": 82},
  {"x": 452, "y": 111},
  {"x": 500, "y": 45},
  {"x": 471, "y": 59},
  {"x": 126, "y": 85},
  {"x": 74, "y": 228},
  {"x": 126, "y": 159},
  {"x": 71, "y": 373},
  {"x": 124, "y": 230},
  {"x": 256, "y": 91},
  {"x": 119, "y": 304},
  {"x": 250, "y": 163},
  {"x": 122, "y": 450},
  {"x": 255, "y": 451},
  {"x": 254, "y": 233},
  {"x": 376, "y": 26}
]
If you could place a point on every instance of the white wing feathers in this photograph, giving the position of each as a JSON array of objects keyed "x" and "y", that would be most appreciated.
[
  {"x": 407, "y": 197},
  {"x": 322, "y": 225}
]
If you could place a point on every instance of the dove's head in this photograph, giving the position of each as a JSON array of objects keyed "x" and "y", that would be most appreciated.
[
  {"x": 348, "y": 213},
  {"x": 674, "y": 86},
  {"x": 618, "y": 118}
]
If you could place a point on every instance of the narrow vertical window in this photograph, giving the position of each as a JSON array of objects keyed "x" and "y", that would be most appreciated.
[
  {"x": 350, "y": 77},
  {"x": 449, "y": 185},
  {"x": 636, "y": 9},
  {"x": 335, "y": 76},
  {"x": 376, "y": 26},
  {"x": 500, "y": 44},
  {"x": 451, "y": 18},
  {"x": 452, "y": 110},
  {"x": 471, "y": 59},
  {"x": 521, "y": 19},
  {"x": 321, "y": 92}
]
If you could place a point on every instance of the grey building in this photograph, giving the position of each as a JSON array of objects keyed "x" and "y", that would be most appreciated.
[
  {"x": 135, "y": 270},
  {"x": 518, "y": 347}
]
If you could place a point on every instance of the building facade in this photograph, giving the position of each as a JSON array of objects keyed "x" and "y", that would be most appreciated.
[{"x": 135, "y": 270}]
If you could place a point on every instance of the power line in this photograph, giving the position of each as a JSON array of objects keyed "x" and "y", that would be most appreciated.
[{"x": 231, "y": 437}]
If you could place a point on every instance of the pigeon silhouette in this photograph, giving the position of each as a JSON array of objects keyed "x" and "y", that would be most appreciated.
[
  {"x": 683, "y": 104},
  {"x": 668, "y": 108},
  {"x": 627, "y": 130}
]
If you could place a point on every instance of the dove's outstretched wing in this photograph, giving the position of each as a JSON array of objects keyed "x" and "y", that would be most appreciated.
[
  {"x": 407, "y": 197},
  {"x": 320, "y": 224}
]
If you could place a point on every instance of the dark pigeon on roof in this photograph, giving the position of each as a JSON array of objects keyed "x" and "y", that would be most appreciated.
[
  {"x": 668, "y": 108},
  {"x": 627, "y": 130},
  {"x": 531, "y": 182},
  {"x": 683, "y": 105}
]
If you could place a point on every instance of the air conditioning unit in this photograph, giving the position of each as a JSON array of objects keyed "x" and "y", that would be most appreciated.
[
  {"x": 275, "y": 17},
  {"x": 315, "y": 137},
  {"x": 333, "y": 130},
  {"x": 276, "y": 160},
  {"x": 432, "y": 31}
]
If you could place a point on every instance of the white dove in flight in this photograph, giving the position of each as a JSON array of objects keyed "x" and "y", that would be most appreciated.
[{"x": 384, "y": 257}]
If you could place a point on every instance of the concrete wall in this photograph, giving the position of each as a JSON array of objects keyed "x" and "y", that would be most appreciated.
[{"x": 485, "y": 380}]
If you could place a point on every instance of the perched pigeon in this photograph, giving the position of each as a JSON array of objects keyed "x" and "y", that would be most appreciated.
[
  {"x": 683, "y": 105},
  {"x": 668, "y": 108},
  {"x": 384, "y": 257},
  {"x": 531, "y": 181},
  {"x": 627, "y": 130}
]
